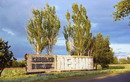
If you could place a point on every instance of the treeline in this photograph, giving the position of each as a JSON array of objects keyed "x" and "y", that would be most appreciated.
[
  {"x": 16, "y": 63},
  {"x": 43, "y": 30},
  {"x": 121, "y": 60}
]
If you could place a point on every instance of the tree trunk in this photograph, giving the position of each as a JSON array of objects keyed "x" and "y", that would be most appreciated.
[
  {"x": 1, "y": 72},
  {"x": 96, "y": 66},
  {"x": 49, "y": 50},
  {"x": 38, "y": 53},
  {"x": 88, "y": 52},
  {"x": 37, "y": 50},
  {"x": 102, "y": 67}
]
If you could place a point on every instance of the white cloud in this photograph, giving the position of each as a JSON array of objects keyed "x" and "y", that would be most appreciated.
[
  {"x": 121, "y": 50},
  {"x": 8, "y": 31}
]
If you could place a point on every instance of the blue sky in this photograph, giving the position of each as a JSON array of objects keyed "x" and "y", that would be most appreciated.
[{"x": 14, "y": 16}]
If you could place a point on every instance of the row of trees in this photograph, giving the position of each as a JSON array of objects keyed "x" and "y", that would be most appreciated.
[
  {"x": 16, "y": 63},
  {"x": 43, "y": 30},
  {"x": 79, "y": 39},
  {"x": 121, "y": 60}
]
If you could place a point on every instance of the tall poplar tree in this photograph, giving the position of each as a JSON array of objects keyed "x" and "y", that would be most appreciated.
[
  {"x": 51, "y": 26},
  {"x": 36, "y": 32},
  {"x": 43, "y": 29},
  {"x": 77, "y": 32}
]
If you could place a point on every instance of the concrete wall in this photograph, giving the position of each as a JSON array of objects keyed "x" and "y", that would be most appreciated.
[
  {"x": 30, "y": 62},
  {"x": 41, "y": 63},
  {"x": 74, "y": 63}
]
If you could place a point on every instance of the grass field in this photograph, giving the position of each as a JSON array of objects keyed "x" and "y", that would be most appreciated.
[
  {"x": 18, "y": 74},
  {"x": 117, "y": 66}
]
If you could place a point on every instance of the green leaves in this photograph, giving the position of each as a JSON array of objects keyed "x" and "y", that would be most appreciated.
[
  {"x": 51, "y": 25},
  {"x": 102, "y": 52},
  {"x": 43, "y": 29},
  {"x": 78, "y": 33},
  {"x": 35, "y": 31},
  {"x": 5, "y": 55},
  {"x": 122, "y": 10}
]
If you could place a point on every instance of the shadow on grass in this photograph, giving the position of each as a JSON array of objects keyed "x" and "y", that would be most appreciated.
[{"x": 116, "y": 67}]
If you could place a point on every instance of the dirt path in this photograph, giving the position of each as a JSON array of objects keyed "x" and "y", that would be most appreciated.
[{"x": 107, "y": 78}]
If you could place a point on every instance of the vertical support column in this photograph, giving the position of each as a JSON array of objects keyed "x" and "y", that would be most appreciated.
[{"x": 55, "y": 61}]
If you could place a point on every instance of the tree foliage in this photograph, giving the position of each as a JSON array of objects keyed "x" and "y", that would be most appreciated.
[
  {"x": 77, "y": 32},
  {"x": 6, "y": 56},
  {"x": 128, "y": 60},
  {"x": 115, "y": 61},
  {"x": 121, "y": 60},
  {"x": 43, "y": 29},
  {"x": 16, "y": 63},
  {"x": 124, "y": 60},
  {"x": 122, "y": 10},
  {"x": 102, "y": 53},
  {"x": 36, "y": 32},
  {"x": 51, "y": 25}
]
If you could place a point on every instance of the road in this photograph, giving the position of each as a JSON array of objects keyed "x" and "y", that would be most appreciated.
[
  {"x": 115, "y": 78},
  {"x": 109, "y": 78}
]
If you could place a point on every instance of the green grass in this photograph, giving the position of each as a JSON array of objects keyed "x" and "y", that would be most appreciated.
[
  {"x": 14, "y": 73},
  {"x": 117, "y": 66},
  {"x": 17, "y": 75}
]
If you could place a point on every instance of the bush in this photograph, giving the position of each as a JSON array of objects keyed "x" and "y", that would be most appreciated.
[{"x": 16, "y": 63}]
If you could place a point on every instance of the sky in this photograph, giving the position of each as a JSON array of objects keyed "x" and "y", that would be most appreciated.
[{"x": 14, "y": 16}]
